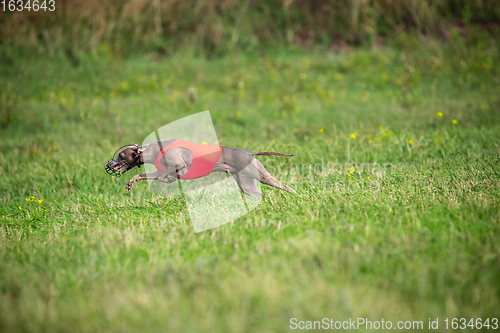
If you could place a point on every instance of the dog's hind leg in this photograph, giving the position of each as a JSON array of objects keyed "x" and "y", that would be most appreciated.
[
  {"x": 247, "y": 184},
  {"x": 257, "y": 171}
]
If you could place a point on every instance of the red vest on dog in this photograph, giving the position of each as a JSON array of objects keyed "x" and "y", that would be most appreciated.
[{"x": 205, "y": 157}]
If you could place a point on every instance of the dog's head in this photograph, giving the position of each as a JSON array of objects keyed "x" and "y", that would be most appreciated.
[{"x": 124, "y": 159}]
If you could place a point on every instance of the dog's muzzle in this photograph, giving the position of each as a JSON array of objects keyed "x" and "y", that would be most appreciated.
[{"x": 114, "y": 168}]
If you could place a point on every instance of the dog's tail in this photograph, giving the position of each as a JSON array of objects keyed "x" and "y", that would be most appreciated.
[{"x": 268, "y": 153}]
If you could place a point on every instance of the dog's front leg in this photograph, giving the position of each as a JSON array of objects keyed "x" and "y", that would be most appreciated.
[
  {"x": 166, "y": 178},
  {"x": 143, "y": 176},
  {"x": 171, "y": 174}
]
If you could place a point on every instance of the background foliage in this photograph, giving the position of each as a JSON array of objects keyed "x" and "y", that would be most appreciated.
[{"x": 218, "y": 27}]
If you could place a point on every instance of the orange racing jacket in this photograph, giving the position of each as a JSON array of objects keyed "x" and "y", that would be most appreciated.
[{"x": 205, "y": 157}]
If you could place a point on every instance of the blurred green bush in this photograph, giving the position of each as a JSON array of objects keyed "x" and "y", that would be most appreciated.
[{"x": 218, "y": 27}]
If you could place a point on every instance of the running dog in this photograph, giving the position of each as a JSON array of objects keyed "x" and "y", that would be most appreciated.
[{"x": 179, "y": 159}]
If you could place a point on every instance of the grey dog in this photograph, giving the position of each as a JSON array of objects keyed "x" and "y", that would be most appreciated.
[{"x": 176, "y": 163}]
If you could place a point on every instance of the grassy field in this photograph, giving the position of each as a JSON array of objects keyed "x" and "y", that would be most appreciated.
[{"x": 406, "y": 227}]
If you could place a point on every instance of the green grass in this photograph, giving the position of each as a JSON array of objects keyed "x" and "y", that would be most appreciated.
[{"x": 419, "y": 239}]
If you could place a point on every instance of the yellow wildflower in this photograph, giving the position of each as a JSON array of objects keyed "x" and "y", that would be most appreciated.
[
  {"x": 321, "y": 130},
  {"x": 410, "y": 142},
  {"x": 19, "y": 207},
  {"x": 381, "y": 128},
  {"x": 40, "y": 201},
  {"x": 439, "y": 114},
  {"x": 454, "y": 121},
  {"x": 204, "y": 143},
  {"x": 367, "y": 177},
  {"x": 353, "y": 136}
]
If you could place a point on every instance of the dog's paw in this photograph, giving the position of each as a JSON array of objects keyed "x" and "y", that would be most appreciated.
[
  {"x": 171, "y": 179},
  {"x": 129, "y": 185}
]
